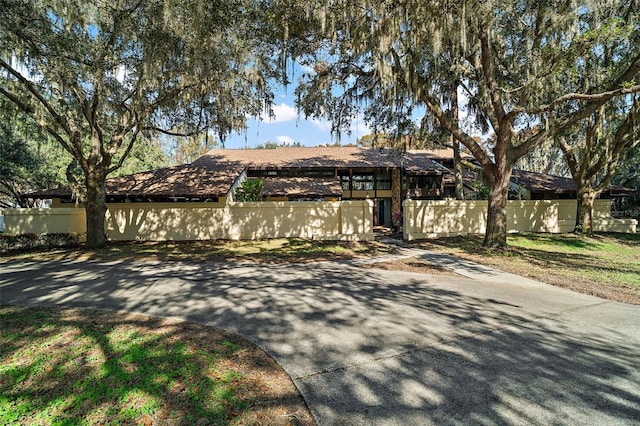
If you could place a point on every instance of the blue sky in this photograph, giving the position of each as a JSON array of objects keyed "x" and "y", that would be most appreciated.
[{"x": 288, "y": 126}]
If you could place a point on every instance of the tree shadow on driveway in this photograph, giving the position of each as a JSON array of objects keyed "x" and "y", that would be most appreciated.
[{"x": 375, "y": 347}]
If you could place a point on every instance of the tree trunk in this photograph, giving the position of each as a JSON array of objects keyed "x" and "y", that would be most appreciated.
[
  {"x": 496, "y": 233},
  {"x": 584, "y": 212},
  {"x": 457, "y": 160},
  {"x": 96, "y": 208},
  {"x": 457, "y": 166}
]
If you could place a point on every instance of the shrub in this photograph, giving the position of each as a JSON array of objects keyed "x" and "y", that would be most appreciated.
[
  {"x": 26, "y": 240},
  {"x": 250, "y": 190},
  {"x": 58, "y": 239},
  {"x": 482, "y": 191},
  {"x": 32, "y": 241}
]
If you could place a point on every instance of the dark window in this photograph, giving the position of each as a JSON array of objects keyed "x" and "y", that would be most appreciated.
[
  {"x": 425, "y": 182},
  {"x": 317, "y": 173},
  {"x": 141, "y": 199},
  {"x": 383, "y": 179}
]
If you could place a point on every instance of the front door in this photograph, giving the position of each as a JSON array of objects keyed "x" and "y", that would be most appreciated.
[{"x": 383, "y": 212}]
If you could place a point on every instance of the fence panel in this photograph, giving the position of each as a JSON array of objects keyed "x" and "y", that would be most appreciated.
[
  {"x": 339, "y": 220},
  {"x": 44, "y": 221},
  {"x": 442, "y": 218}
]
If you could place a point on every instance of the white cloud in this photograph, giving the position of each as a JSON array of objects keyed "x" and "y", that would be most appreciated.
[
  {"x": 286, "y": 140},
  {"x": 283, "y": 113},
  {"x": 359, "y": 128},
  {"x": 323, "y": 125}
]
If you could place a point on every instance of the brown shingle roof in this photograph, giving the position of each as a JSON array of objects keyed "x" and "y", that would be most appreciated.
[
  {"x": 617, "y": 190},
  {"x": 468, "y": 178},
  {"x": 187, "y": 180},
  {"x": 415, "y": 161},
  {"x": 420, "y": 162},
  {"x": 439, "y": 154},
  {"x": 62, "y": 192},
  {"x": 213, "y": 174},
  {"x": 309, "y": 157},
  {"x": 542, "y": 183},
  {"x": 179, "y": 181},
  {"x": 301, "y": 187}
]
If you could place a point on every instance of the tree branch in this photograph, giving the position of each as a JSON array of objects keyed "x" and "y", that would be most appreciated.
[
  {"x": 125, "y": 154},
  {"x": 597, "y": 97},
  {"x": 27, "y": 109},
  {"x": 492, "y": 87},
  {"x": 43, "y": 101}
]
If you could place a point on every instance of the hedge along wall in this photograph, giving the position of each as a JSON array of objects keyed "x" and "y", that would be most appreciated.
[
  {"x": 432, "y": 219},
  {"x": 340, "y": 220}
]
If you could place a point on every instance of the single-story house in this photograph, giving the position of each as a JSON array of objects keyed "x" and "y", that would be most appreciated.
[
  {"x": 315, "y": 173},
  {"x": 288, "y": 174}
]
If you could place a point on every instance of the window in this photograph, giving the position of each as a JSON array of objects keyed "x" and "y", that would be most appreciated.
[
  {"x": 363, "y": 182},
  {"x": 425, "y": 182},
  {"x": 325, "y": 173},
  {"x": 383, "y": 179},
  {"x": 344, "y": 182}
]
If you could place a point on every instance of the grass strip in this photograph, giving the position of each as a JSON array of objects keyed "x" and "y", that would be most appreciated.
[{"x": 80, "y": 367}]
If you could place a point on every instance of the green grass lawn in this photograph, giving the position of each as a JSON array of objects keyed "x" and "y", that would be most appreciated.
[
  {"x": 76, "y": 367},
  {"x": 612, "y": 259},
  {"x": 607, "y": 265}
]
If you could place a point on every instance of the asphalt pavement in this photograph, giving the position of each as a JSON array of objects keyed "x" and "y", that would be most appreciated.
[{"x": 372, "y": 347}]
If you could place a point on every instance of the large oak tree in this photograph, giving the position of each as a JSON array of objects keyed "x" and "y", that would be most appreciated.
[
  {"x": 96, "y": 75},
  {"x": 595, "y": 145},
  {"x": 392, "y": 56},
  {"x": 593, "y": 150},
  {"x": 32, "y": 161}
]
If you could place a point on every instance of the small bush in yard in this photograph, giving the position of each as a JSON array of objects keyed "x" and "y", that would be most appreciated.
[
  {"x": 31, "y": 241},
  {"x": 58, "y": 239},
  {"x": 16, "y": 242},
  {"x": 26, "y": 240}
]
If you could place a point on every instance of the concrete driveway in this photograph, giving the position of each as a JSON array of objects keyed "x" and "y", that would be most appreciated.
[{"x": 374, "y": 347}]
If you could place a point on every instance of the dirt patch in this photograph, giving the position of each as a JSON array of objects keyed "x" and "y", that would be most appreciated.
[{"x": 412, "y": 264}]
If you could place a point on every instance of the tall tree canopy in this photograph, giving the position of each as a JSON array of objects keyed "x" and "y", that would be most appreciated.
[
  {"x": 20, "y": 170},
  {"x": 30, "y": 160},
  {"x": 96, "y": 75},
  {"x": 389, "y": 57},
  {"x": 593, "y": 149},
  {"x": 594, "y": 145}
]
